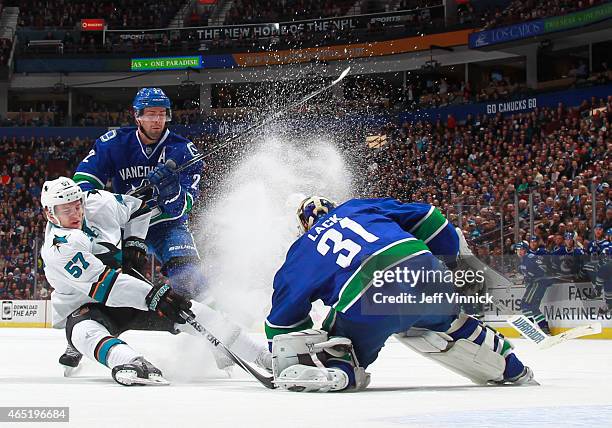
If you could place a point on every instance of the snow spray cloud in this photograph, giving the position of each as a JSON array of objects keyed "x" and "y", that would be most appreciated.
[{"x": 247, "y": 228}]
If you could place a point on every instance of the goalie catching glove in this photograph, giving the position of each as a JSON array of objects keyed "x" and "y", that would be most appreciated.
[{"x": 307, "y": 361}]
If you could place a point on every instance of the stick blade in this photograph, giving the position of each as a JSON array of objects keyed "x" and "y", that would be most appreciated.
[
  {"x": 573, "y": 333},
  {"x": 342, "y": 75}
]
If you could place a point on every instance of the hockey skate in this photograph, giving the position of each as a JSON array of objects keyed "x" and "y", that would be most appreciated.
[
  {"x": 223, "y": 361},
  {"x": 264, "y": 361},
  {"x": 70, "y": 360},
  {"x": 524, "y": 378},
  {"x": 138, "y": 372}
]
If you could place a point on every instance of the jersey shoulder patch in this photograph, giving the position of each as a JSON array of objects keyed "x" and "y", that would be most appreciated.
[
  {"x": 108, "y": 136},
  {"x": 68, "y": 238},
  {"x": 115, "y": 136}
]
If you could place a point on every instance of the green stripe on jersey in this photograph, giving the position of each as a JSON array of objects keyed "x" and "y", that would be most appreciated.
[
  {"x": 429, "y": 227},
  {"x": 186, "y": 209},
  {"x": 90, "y": 178},
  {"x": 383, "y": 259}
]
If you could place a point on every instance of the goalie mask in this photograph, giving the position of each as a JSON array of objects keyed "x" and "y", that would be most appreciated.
[
  {"x": 311, "y": 210},
  {"x": 62, "y": 190}
]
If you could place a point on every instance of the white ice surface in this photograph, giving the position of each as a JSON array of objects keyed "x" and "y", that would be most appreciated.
[{"x": 406, "y": 389}]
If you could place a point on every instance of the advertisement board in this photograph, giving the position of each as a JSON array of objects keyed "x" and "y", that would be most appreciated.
[{"x": 25, "y": 313}]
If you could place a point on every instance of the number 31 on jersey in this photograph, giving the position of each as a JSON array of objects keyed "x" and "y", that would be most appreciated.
[{"x": 336, "y": 238}]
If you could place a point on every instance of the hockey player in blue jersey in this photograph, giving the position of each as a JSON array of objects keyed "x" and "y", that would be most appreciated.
[
  {"x": 599, "y": 243},
  {"x": 603, "y": 275},
  {"x": 537, "y": 281},
  {"x": 131, "y": 158},
  {"x": 571, "y": 257},
  {"x": 338, "y": 259},
  {"x": 594, "y": 252},
  {"x": 536, "y": 248}
]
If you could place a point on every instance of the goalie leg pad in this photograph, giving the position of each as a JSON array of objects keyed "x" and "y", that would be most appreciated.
[
  {"x": 477, "y": 363},
  {"x": 308, "y": 361},
  {"x": 483, "y": 355}
]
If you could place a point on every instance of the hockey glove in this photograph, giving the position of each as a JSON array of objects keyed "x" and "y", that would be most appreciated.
[
  {"x": 167, "y": 303},
  {"x": 134, "y": 255},
  {"x": 166, "y": 181}
]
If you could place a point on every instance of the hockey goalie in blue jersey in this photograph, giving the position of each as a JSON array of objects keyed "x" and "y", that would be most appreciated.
[
  {"x": 341, "y": 257},
  {"x": 131, "y": 158}
]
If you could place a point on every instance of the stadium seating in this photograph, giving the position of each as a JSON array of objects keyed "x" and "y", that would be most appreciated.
[{"x": 554, "y": 153}]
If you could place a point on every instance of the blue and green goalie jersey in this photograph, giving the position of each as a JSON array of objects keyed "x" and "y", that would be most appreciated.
[
  {"x": 119, "y": 156},
  {"x": 335, "y": 260}
]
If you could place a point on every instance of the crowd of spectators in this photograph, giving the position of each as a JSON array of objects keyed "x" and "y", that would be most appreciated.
[
  {"x": 474, "y": 171},
  {"x": 257, "y": 11},
  {"x": 525, "y": 10},
  {"x": 25, "y": 165},
  {"x": 116, "y": 13}
]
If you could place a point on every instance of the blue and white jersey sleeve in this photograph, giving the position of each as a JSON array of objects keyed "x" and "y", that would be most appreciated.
[
  {"x": 189, "y": 180},
  {"x": 95, "y": 169},
  {"x": 291, "y": 305}
]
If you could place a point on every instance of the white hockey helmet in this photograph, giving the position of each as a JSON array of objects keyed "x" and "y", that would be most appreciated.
[{"x": 60, "y": 191}]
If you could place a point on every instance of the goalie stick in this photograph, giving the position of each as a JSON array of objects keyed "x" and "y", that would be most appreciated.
[
  {"x": 250, "y": 130},
  {"x": 520, "y": 322},
  {"x": 531, "y": 331},
  {"x": 190, "y": 319}
]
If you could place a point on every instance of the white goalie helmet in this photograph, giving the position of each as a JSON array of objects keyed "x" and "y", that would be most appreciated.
[
  {"x": 60, "y": 191},
  {"x": 311, "y": 209}
]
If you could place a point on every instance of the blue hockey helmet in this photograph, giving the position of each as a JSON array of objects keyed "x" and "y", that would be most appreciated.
[
  {"x": 311, "y": 209},
  {"x": 568, "y": 236},
  {"x": 609, "y": 231},
  {"x": 151, "y": 97},
  {"x": 523, "y": 245}
]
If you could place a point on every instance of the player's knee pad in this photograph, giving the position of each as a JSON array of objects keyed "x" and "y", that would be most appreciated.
[
  {"x": 310, "y": 361},
  {"x": 186, "y": 276}
]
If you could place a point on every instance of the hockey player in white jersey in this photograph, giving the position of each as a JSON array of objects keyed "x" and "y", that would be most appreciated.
[{"x": 96, "y": 302}]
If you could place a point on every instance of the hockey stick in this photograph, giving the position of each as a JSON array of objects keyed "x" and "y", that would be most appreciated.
[
  {"x": 250, "y": 130},
  {"x": 532, "y": 332},
  {"x": 264, "y": 380}
]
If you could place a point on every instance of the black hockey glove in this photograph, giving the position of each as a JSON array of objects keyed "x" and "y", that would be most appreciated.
[
  {"x": 167, "y": 303},
  {"x": 134, "y": 255}
]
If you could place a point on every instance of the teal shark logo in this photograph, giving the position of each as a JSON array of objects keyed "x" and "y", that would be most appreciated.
[{"x": 58, "y": 240}]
